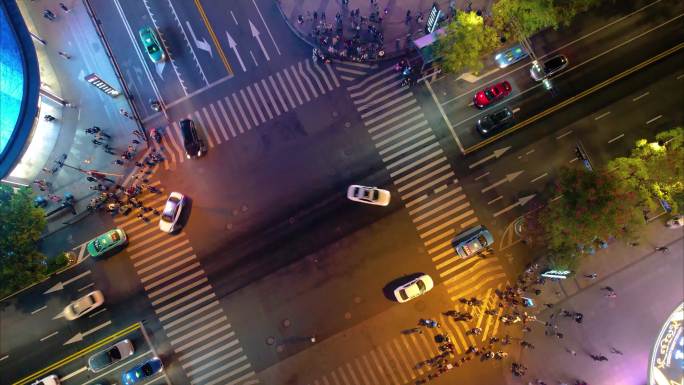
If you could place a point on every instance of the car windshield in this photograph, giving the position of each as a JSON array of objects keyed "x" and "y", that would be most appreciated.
[
  {"x": 114, "y": 354},
  {"x": 482, "y": 240},
  {"x": 499, "y": 116},
  {"x": 97, "y": 245},
  {"x": 115, "y": 236},
  {"x": 152, "y": 48},
  {"x": 375, "y": 194},
  {"x": 403, "y": 295},
  {"x": 170, "y": 209},
  {"x": 553, "y": 63},
  {"x": 147, "y": 369},
  {"x": 421, "y": 285},
  {"x": 81, "y": 305},
  {"x": 489, "y": 94}
]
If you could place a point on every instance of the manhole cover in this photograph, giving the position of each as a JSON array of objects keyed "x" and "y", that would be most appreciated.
[
  {"x": 287, "y": 323},
  {"x": 270, "y": 340},
  {"x": 347, "y": 315}
]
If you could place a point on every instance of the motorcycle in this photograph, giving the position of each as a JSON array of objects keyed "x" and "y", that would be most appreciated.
[{"x": 429, "y": 323}]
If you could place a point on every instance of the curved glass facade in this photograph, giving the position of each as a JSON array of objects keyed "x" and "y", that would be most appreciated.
[{"x": 11, "y": 81}]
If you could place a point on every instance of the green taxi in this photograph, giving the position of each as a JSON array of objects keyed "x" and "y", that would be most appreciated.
[
  {"x": 107, "y": 242},
  {"x": 151, "y": 43}
]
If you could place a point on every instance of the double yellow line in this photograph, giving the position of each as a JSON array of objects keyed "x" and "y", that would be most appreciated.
[
  {"x": 79, "y": 354},
  {"x": 573, "y": 99},
  {"x": 213, "y": 37}
]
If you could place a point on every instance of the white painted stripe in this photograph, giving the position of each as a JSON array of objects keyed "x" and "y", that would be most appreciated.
[
  {"x": 184, "y": 308},
  {"x": 263, "y": 100},
  {"x": 416, "y": 163},
  {"x": 209, "y": 346},
  {"x": 616, "y": 138},
  {"x": 197, "y": 321},
  {"x": 292, "y": 86},
  {"x": 405, "y": 363},
  {"x": 351, "y": 71},
  {"x": 172, "y": 276},
  {"x": 500, "y": 197},
  {"x": 413, "y": 355},
  {"x": 400, "y": 130},
  {"x": 439, "y": 208},
  {"x": 390, "y": 368},
  {"x": 408, "y": 149},
  {"x": 200, "y": 330},
  {"x": 368, "y": 79},
  {"x": 321, "y": 89},
  {"x": 387, "y": 81},
  {"x": 271, "y": 99},
  {"x": 352, "y": 374},
  {"x": 203, "y": 368},
  {"x": 39, "y": 309},
  {"x": 325, "y": 78},
  {"x": 419, "y": 171},
  {"x": 332, "y": 75},
  {"x": 443, "y": 215},
  {"x": 414, "y": 155},
  {"x": 278, "y": 94},
  {"x": 177, "y": 292},
  {"x": 347, "y": 78},
  {"x": 255, "y": 104},
  {"x": 192, "y": 314},
  {"x": 447, "y": 223},
  {"x": 438, "y": 199},
  {"x": 218, "y": 120},
  {"x": 226, "y": 118},
  {"x": 382, "y": 98},
  {"x": 203, "y": 128},
  {"x": 242, "y": 113},
  {"x": 564, "y": 135},
  {"x": 87, "y": 286},
  {"x": 186, "y": 346},
  {"x": 401, "y": 116},
  {"x": 603, "y": 115},
  {"x": 362, "y": 371},
  {"x": 654, "y": 119},
  {"x": 414, "y": 136},
  {"x": 425, "y": 177},
  {"x": 641, "y": 96},
  {"x": 307, "y": 80},
  {"x": 176, "y": 283},
  {"x": 157, "y": 246},
  {"x": 164, "y": 261},
  {"x": 381, "y": 371},
  {"x": 287, "y": 92},
  {"x": 301, "y": 84},
  {"x": 211, "y": 125},
  {"x": 147, "y": 240},
  {"x": 539, "y": 177},
  {"x": 188, "y": 259},
  {"x": 386, "y": 105},
  {"x": 368, "y": 98},
  {"x": 428, "y": 185},
  {"x": 48, "y": 336},
  {"x": 172, "y": 136},
  {"x": 183, "y": 299},
  {"x": 370, "y": 371},
  {"x": 334, "y": 377},
  {"x": 245, "y": 101},
  {"x": 469, "y": 222},
  {"x": 389, "y": 112},
  {"x": 361, "y": 65},
  {"x": 240, "y": 380}
]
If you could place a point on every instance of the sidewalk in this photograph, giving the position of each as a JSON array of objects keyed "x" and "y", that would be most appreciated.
[
  {"x": 74, "y": 34},
  {"x": 394, "y": 26}
]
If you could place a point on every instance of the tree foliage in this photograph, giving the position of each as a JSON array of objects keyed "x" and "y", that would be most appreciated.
[
  {"x": 520, "y": 19},
  {"x": 21, "y": 225},
  {"x": 566, "y": 10},
  {"x": 465, "y": 41}
]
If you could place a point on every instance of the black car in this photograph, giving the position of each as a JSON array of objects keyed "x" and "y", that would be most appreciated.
[
  {"x": 192, "y": 143},
  {"x": 549, "y": 67},
  {"x": 496, "y": 121}
]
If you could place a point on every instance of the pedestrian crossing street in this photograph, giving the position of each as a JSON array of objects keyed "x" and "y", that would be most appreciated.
[
  {"x": 398, "y": 361},
  {"x": 424, "y": 179},
  {"x": 206, "y": 346},
  {"x": 252, "y": 106},
  {"x": 351, "y": 71}
]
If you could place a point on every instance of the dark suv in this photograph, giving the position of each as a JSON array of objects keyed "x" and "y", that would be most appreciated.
[
  {"x": 192, "y": 143},
  {"x": 496, "y": 121}
]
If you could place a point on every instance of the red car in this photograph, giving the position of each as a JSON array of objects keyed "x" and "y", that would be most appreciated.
[{"x": 492, "y": 94}]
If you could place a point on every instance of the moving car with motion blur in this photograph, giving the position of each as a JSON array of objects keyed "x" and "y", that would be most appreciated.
[
  {"x": 84, "y": 305},
  {"x": 510, "y": 56},
  {"x": 49, "y": 380}
]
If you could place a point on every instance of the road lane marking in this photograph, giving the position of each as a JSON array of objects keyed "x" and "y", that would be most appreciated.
[
  {"x": 205, "y": 129},
  {"x": 680, "y": 76},
  {"x": 641, "y": 96},
  {"x": 266, "y": 25},
  {"x": 573, "y": 160},
  {"x": 226, "y": 118},
  {"x": 218, "y": 120},
  {"x": 539, "y": 177},
  {"x": 249, "y": 107},
  {"x": 73, "y": 374},
  {"x": 444, "y": 116},
  {"x": 271, "y": 99},
  {"x": 48, "y": 336},
  {"x": 97, "y": 312},
  {"x": 39, "y": 309},
  {"x": 278, "y": 94},
  {"x": 212, "y": 35},
  {"x": 87, "y": 286},
  {"x": 482, "y": 176},
  {"x": 234, "y": 19},
  {"x": 253, "y": 58},
  {"x": 233, "y": 114},
  {"x": 255, "y": 103},
  {"x": 616, "y": 138},
  {"x": 561, "y": 136},
  {"x": 603, "y": 115},
  {"x": 529, "y": 152},
  {"x": 654, "y": 119},
  {"x": 556, "y": 198},
  {"x": 4, "y": 357},
  {"x": 495, "y": 199}
]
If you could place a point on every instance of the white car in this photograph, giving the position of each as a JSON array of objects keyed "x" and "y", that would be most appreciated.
[
  {"x": 49, "y": 380},
  {"x": 414, "y": 288},
  {"x": 83, "y": 305},
  {"x": 369, "y": 195},
  {"x": 675, "y": 222},
  {"x": 168, "y": 219},
  {"x": 110, "y": 356}
]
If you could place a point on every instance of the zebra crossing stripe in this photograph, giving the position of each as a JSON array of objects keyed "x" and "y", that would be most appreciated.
[
  {"x": 438, "y": 199},
  {"x": 403, "y": 151},
  {"x": 443, "y": 206},
  {"x": 217, "y": 341},
  {"x": 292, "y": 86},
  {"x": 183, "y": 308},
  {"x": 387, "y": 113},
  {"x": 211, "y": 125},
  {"x": 332, "y": 75},
  {"x": 325, "y": 78},
  {"x": 255, "y": 104},
  {"x": 174, "y": 284},
  {"x": 302, "y": 87},
  {"x": 350, "y": 71},
  {"x": 469, "y": 222},
  {"x": 381, "y": 107},
  {"x": 264, "y": 85},
  {"x": 233, "y": 114},
  {"x": 370, "y": 371},
  {"x": 347, "y": 78},
  {"x": 419, "y": 171},
  {"x": 200, "y": 330},
  {"x": 170, "y": 325},
  {"x": 180, "y": 291},
  {"x": 278, "y": 94},
  {"x": 398, "y": 128},
  {"x": 399, "y": 90},
  {"x": 263, "y": 100},
  {"x": 313, "y": 75},
  {"x": 392, "y": 370},
  {"x": 366, "y": 81},
  {"x": 380, "y": 91},
  {"x": 334, "y": 377},
  {"x": 174, "y": 145},
  {"x": 415, "y": 155},
  {"x": 225, "y": 117},
  {"x": 361, "y": 371},
  {"x": 204, "y": 127},
  {"x": 183, "y": 299},
  {"x": 249, "y": 107},
  {"x": 470, "y": 279},
  {"x": 356, "y": 64},
  {"x": 171, "y": 276},
  {"x": 393, "y": 120},
  {"x": 426, "y": 177},
  {"x": 222, "y": 329},
  {"x": 157, "y": 273},
  {"x": 218, "y": 120},
  {"x": 195, "y": 321},
  {"x": 287, "y": 91},
  {"x": 413, "y": 357},
  {"x": 164, "y": 261},
  {"x": 239, "y": 380}
]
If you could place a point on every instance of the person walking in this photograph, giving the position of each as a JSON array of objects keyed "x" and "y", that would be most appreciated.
[
  {"x": 64, "y": 55},
  {"x": 574, "y": 353},
  {"x": 48, "y": 14},
  {"x": 662, "y": 249},
  {"x": 64, "y": 8},
  {"x": 96, "y": 142},
  {"x": 591, "y": 276}
]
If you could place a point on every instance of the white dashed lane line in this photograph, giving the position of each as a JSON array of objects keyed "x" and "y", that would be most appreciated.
[
  {"x": 654, "y": 119},
  {"x": 616, "y": 138}
]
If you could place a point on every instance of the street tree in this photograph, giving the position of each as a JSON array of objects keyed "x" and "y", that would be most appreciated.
[
  {"x": 465, "y": 41},
  {"x": 566, "y": 10},
  {"x": 520, "y": 19},
  {"x": 594, "y": 206},
  {"x": 21, "y": 225}
]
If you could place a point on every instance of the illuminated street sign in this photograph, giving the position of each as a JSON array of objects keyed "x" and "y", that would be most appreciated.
[
  {"x": 561, "y": 274},
  {"x": 102, "y": 85},
  {"x": 433, "y": 18}
]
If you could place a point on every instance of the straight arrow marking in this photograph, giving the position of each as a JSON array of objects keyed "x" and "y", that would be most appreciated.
[
  {"x": 79, "y": 336},
  {"x": 495, "y": 154},
  {"x": 521, "y": 202},
  {"x": 508, "y": 178},
  {"x": 233, "y": 45},
  {"x": 256, "y": 33},
  {"x": 60, "y": 285}
]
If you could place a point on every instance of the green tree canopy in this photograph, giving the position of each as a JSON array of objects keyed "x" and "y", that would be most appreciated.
[
  {"x": 21, "y": 225},
  {"x": 520, "y": 19},
  {"x": 466, "y": 40},
  {"x": 566, "y": 10}
]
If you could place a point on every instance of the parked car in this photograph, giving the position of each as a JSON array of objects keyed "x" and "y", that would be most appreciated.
[
  {"x": 492, "y": 94},
  {"x": 549, "y": 68},
  {"x": 142, "y": 372},
  {"x": 107, "y": 242},
  {"x": 369, "y": 195},
  {"x": 191, "y": 141},
  {"x": 49, "y": 380},
  {"x": 84, "y": 305},
  {"x": 108, "y": 357},
  {"x": 473, "y": 241},
  {"x": 496, "y": 121},
  {"x": 168, "y": 220},
  {"x": 510, "y": 56},
  {"x": 151, "y": 43},
  {"x": 414, "y": 288}
]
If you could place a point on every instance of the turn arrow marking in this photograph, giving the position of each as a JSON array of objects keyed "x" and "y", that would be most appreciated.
[
  {"x": 521, "y": 202},
  {"x": 233, "y": 45},
  {"x": 508, "y": 178},
  {"x": 256, "y": 33},
  {"x": 60, "y": 285},
  {"x": 201, "y": 44}
]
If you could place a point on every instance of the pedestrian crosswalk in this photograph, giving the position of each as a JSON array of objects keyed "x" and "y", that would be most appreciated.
[
  {"x": 351, "y": 71},
  {"x": 400, "y": 360},
  {"x": 254, "y": 105},
  {"x": 199, "y": 331}
]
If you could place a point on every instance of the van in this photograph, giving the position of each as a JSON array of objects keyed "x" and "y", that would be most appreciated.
[{"x": 192, "y": 143}]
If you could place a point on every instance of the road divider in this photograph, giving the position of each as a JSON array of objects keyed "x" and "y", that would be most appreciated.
[
  {"x": 87, "y": 350},
  {"x": 573, "y": 99}
]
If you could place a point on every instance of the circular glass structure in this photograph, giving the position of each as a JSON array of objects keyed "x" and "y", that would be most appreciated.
[
  {"x": 11, "y": 80},
  {"x": 667, "y": 358}
]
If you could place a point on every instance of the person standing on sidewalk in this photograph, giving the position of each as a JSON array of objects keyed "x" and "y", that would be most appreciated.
[{"x": 64, "y": 55}]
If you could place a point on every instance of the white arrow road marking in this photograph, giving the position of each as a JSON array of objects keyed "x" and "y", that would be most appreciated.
[
  {"x": 269, "y": 30},
  {"x": 73, "y": 374},
  {"x": 521, "y": 202},
  {"x": 60, "y": 285},
  {"x": 201, "y": 44},
  {"x": 495, "y": 155},
  {"x": 256, "y": 33},
  {"x": 79, "y": 336},
  {"x": 508, "y": 178},
  {"x": 6, "y": 356},
  {"x": 233, "y": 45},
  {"x": 159, "y": 67}
]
